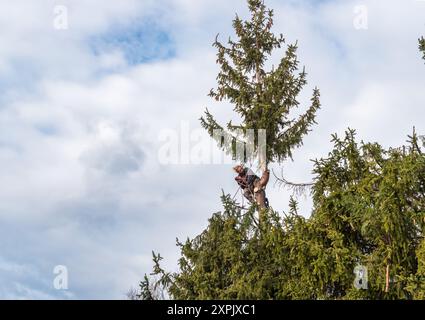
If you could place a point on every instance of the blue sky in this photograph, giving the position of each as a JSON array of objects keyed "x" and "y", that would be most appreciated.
[
  {"x": 139, "y": 42},
  {"x": 82, "y": 109}
]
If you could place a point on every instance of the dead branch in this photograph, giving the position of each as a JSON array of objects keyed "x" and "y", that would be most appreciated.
[{"x": 297, "y": 188}]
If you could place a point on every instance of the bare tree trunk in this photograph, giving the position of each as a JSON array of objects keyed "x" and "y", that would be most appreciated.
[
  {"x": 387, "y": 279},
  {"x": 260, "y": 199},
  {"x": 259, "y": 189},
  {"x": 264, "y": 180},
  {"x": 257, "y": 75},
  {"x": 262, "y": 157}
]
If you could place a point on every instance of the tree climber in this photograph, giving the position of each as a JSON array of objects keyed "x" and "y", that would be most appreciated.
[{"x": 253, "y": 187}]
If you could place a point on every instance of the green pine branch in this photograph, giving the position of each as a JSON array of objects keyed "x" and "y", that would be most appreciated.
[{"x": 262, "y": 98}]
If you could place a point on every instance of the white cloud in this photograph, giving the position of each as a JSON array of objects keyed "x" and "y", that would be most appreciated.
[{"x": 82, "y": 185}]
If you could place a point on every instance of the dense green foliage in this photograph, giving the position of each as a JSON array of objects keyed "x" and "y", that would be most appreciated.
[
  {"x": 369, "y": 209},
  {"x": 263, "y": 99}
]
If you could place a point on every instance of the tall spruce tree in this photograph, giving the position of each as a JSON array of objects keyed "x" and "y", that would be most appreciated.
[
  {"x": 422, "y": 46},
  {"x": 262, "y": 98},
  {"x": 368, "y": 209}
]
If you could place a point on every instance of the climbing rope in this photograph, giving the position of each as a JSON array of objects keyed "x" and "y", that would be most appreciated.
[
  {"x": 234, "y": 196},
  {"x": 242, "y": 207}
]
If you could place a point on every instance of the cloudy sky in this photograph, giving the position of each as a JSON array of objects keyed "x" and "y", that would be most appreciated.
[{"x": 90, "y": 88}]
